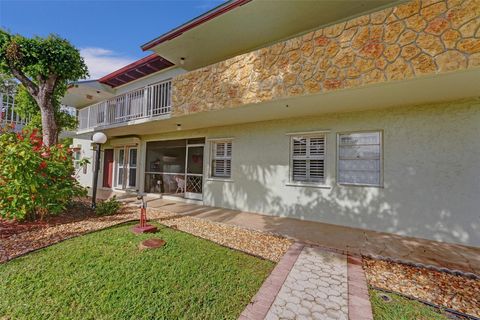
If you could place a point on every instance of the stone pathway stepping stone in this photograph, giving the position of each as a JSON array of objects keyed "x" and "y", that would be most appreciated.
[{"x": 315, "y": 288}]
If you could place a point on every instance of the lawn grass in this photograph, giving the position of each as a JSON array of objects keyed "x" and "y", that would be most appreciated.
[
  {"x": 400, "y": 308},
  {"x": 104, "y": 276}
]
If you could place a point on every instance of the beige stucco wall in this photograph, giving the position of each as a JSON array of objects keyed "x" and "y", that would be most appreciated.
[
  {"x": 414, "y": 39},
  {"x": 431, "y": 172}
]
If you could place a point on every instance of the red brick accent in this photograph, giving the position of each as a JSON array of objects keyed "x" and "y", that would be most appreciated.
[
  {"x": 258, "y": 307},
  {"x": 359, "y": 307}
]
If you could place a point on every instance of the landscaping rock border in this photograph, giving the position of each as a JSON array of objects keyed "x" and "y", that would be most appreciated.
[
  {"x": 451, "y": 291},
  {"x": 265, "y": 245}
]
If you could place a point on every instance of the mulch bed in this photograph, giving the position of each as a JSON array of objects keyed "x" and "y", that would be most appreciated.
[
  {"x": 20, "y": 238},
  {"x": 447, "y": 290},
  {"x": 80, "y": 210}
]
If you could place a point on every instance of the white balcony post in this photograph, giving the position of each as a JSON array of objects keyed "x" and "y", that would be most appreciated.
[
  {"x": 118, "y": 113},
  {"x": 145, "y": 102},
  {"x": 152, "y": 98},
  {"x": 169, "y": 97},
  {"x": 7, "y": 109},
  {"x": 105, "y": 113},
  {"x": 128, "y": 106},
  {"x": 1, "y": 106},
  {"x": 88, "y": 117},
  {"x": 12, "y": 113}
]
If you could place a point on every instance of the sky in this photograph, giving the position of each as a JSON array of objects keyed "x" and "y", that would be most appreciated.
[{"x": 108, "y": 33}]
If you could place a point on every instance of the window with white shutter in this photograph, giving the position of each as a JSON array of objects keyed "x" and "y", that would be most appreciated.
[
  {"x": 360, "y": 158},
  {"x": 307, "y": 159},
  {"x": 221, "y": 159}
]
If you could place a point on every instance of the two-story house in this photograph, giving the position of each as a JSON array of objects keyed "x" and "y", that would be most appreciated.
[{"x": 358, "y": 113}]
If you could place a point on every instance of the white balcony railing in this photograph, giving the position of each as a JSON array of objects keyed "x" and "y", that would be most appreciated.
[
  {"x": 150, "y": 101},
  {"x": 7, "y": 112}
]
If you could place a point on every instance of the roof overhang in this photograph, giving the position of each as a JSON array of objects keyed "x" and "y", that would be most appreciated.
[
  {"x": 83, "y": 93},
  {"x": 136, "y": 70},
  {"x": 240, "y": 26}
]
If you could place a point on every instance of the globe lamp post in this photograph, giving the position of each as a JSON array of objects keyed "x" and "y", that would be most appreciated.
[{"x": 98, "y": 138}]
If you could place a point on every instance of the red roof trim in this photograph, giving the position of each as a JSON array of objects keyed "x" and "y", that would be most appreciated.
[
  {"x": 195, "y": 22},
  {"x": 132, "y": 65},
  {"x": 121, "y": 76}
]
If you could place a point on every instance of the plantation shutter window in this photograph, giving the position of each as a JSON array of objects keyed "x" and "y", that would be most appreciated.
[
  {"x": 360, "y": 158},
  {"x": 308, "y": 159},
  {"x": 222, "y": 159}
]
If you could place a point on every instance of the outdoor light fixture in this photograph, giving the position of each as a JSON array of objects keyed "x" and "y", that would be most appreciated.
[
  {"x": 182, "y": 61},
  {"x": 179, "y": 126},
  {"x": 98, "y": 138}
]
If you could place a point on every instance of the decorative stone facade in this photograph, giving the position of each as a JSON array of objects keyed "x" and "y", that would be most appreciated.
[{"x": 413, "y": 39}]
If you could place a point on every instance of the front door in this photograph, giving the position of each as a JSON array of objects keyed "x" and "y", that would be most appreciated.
[
  {"x": 194, "y": 172},
  {"x": 107, "y": 168},
  {"x": 126, "y": 168}
]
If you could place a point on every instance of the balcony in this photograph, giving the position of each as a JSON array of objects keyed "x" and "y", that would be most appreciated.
[
  {"x": 148, "y": 102},
  {"x": 8, "y": 114}
]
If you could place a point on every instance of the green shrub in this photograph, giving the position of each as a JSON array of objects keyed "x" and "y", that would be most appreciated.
[
  {"x": 35, "y": 180},
  {"x": 108, "y": 207}
]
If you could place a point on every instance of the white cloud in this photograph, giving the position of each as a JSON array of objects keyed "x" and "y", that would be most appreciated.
[{"x": 101, "y": 61}]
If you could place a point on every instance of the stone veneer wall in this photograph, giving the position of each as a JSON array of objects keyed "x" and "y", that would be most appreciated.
[{"x": 413, "y": 39}]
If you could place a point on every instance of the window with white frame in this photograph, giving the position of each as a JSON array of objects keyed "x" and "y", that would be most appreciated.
[
  {"x": 360, "y": 158},
  {"x": 307, "y": 159},
  {"x": 221, "y": 159}
]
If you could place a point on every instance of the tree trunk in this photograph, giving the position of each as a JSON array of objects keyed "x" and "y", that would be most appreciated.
[
  {"x": 43, "y": 93},
  {"x": 49, "y": 126},
  {"x": 44, "y": 101}
]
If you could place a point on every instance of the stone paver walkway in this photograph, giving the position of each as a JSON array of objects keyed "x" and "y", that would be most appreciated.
[{"x": 315, "y": 288}]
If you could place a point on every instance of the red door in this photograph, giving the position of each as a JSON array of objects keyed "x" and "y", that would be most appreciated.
[{"x": 108, "y": 168}]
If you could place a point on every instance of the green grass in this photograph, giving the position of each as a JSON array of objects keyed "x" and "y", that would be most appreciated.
[
  {"x": 400, "y": 308},
  {"x": 104, "y": 276}
]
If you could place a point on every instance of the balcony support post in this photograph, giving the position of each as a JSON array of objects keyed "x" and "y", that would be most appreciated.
[
  {"x": 1, "y": 107},
  {"x": 145, "y": 102},
  {"x": 88, "y": 116},
  {"x": 105, "y": 114}
]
